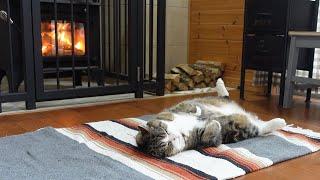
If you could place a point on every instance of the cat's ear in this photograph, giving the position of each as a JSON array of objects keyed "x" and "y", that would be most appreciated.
[{"x": 143, "y": 129}]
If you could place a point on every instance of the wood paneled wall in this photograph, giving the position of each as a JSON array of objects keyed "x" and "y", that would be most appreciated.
[{"x": 215, "y": 33}]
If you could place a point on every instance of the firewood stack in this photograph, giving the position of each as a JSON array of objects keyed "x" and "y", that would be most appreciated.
[{"x": 185, "y": 77}]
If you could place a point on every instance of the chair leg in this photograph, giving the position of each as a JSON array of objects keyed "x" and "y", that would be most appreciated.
[
  {"x": 270, "y": 74},
  {"x": 282, "y": 87},
  {"x": 242, "y": 82},
  {"x": 309, "y": 91},
  {"x": 291, "y": 73}
]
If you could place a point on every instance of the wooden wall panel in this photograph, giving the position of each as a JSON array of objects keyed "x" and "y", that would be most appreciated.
[{"x": 215, "y": 33}]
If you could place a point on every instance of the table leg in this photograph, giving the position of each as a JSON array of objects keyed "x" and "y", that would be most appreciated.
[{"x": 291, "y": 73}]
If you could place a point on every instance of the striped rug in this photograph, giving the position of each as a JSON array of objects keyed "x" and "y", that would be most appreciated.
[{"x": 116, "y": 139}]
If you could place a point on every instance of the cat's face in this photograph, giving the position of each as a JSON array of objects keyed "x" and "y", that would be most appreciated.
[{"x": 157, "y": 141}]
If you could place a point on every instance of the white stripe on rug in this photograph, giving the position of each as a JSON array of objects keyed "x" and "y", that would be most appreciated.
[
  {"x": 299, "y": 130},
  {"x": 116, "y": 130},
  {"x": 210, "y": 165}
]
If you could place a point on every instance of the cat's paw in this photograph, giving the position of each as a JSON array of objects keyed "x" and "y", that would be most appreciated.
[
  {"x": 221, "y": 89},
  {"x": 156, "y": 124},
  {"x": 278, "y": 123},
  {"x": 215, "y": 125},
  {"x": 220, "y": 82},
  {"x": 185, "y": 108},
  {"x": 211, "y": 135},
  {"x": 211, "y": 130},
  {"x": 167, "y": 116}
]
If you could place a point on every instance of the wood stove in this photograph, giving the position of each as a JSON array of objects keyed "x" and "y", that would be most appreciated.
[
  {"x": 70, "y": 38},
  {"x": 99, "y": 46}
]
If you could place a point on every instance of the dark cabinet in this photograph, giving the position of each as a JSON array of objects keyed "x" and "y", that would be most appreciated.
[
  {"x": 265, "y": 38},
  {"x": 264, "y": 52}
]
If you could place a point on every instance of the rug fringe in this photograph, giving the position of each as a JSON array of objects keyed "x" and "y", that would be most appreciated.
[{"x": 299, "y": 130}]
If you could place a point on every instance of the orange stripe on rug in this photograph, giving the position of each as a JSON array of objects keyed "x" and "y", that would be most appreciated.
[
  {"x": 301, "y": 137},
  {"x": 238, "y": 158},
  {"x": 132, "y": 152}
]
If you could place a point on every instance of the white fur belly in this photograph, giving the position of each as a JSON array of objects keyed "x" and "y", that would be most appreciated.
[
  {"x": 183, "y": 124},
  {"x": 227, "y": 109}
]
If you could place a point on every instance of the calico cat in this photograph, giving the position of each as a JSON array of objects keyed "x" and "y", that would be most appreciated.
[{"x": 201, "y": 122}]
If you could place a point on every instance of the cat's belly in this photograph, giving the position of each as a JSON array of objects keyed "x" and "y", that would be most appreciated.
[
  {"x": 183, "y": 124},
  {"x": 227, "y": 109}
]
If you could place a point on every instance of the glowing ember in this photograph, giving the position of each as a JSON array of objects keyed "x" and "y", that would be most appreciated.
[{"x": 64, "y": 39}]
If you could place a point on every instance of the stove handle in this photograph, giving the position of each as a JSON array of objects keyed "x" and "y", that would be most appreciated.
[{"x": 4, "y": 16}]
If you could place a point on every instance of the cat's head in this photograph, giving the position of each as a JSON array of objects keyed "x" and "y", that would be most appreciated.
[{"x": 157, "y": 141}]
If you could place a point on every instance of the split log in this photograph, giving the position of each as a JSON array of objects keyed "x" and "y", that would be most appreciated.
[
  {"x": 201, "y": 85},
  {"x": 191, "y": 84},
  {"x": 213, "y": 64},
  {"x": 183, "y": 76},
  {"x": 187, "y": 69},
  {"x": 166, "y": 91},
  {"x": 198, "y": 77},
  {"x": 208, "y": 71},
  {"x": 175, "y": 78},
  {"x": 182, "y": 87},
  {"x": 176, "y": 70},
  {"x": 207, "y": 80},
  {"x": 212, "y": 84},
  {"x": 168, "y": 85}
]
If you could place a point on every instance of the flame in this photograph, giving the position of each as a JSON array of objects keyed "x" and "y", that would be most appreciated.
[
  {"x": 64, "y": 39},
  {"x": 79, "y": 45}
]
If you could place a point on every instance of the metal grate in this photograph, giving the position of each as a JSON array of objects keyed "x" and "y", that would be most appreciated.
[{"x": 124, "y": 48}]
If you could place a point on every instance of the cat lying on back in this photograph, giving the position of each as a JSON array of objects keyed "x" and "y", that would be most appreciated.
[{"x": 202, "y": 122}]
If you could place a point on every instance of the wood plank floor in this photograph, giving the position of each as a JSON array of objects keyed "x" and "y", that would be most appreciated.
[{"x": 306, "y": 167}]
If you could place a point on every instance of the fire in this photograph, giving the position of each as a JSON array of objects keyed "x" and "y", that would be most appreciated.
[
  {"x": 64, "y": 39},
  {"x": 79, "y": 45}
]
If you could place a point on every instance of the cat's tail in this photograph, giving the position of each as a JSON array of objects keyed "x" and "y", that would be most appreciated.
[{"x": 221, "y": 89}]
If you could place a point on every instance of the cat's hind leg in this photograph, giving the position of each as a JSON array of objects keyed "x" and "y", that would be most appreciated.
[
  {"x": 272, "y": 125},
  {"x": 221, "y": 89}
]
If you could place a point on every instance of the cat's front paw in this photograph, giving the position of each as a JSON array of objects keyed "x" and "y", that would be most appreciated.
[
  {"x": 168, "y": 116},
  {"x": 185, "y": 108},
  {"x": 156, "y": 124},
  {"x": 211, "y": 134}
]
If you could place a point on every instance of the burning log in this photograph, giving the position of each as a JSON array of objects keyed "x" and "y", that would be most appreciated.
[{"x": 64, "y": 39}]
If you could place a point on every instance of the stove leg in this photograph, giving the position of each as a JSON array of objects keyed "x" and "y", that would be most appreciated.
[{"x": 78, "y": 79}]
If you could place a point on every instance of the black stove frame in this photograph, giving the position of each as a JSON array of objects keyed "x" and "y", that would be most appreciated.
[{"x": 105, "y": 55}]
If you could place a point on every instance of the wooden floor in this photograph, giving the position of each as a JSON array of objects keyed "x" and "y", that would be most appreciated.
[{"x": 303, "y": 168}]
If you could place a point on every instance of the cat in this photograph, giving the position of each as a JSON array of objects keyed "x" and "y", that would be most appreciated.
[{"x": 201, "y": 122}]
